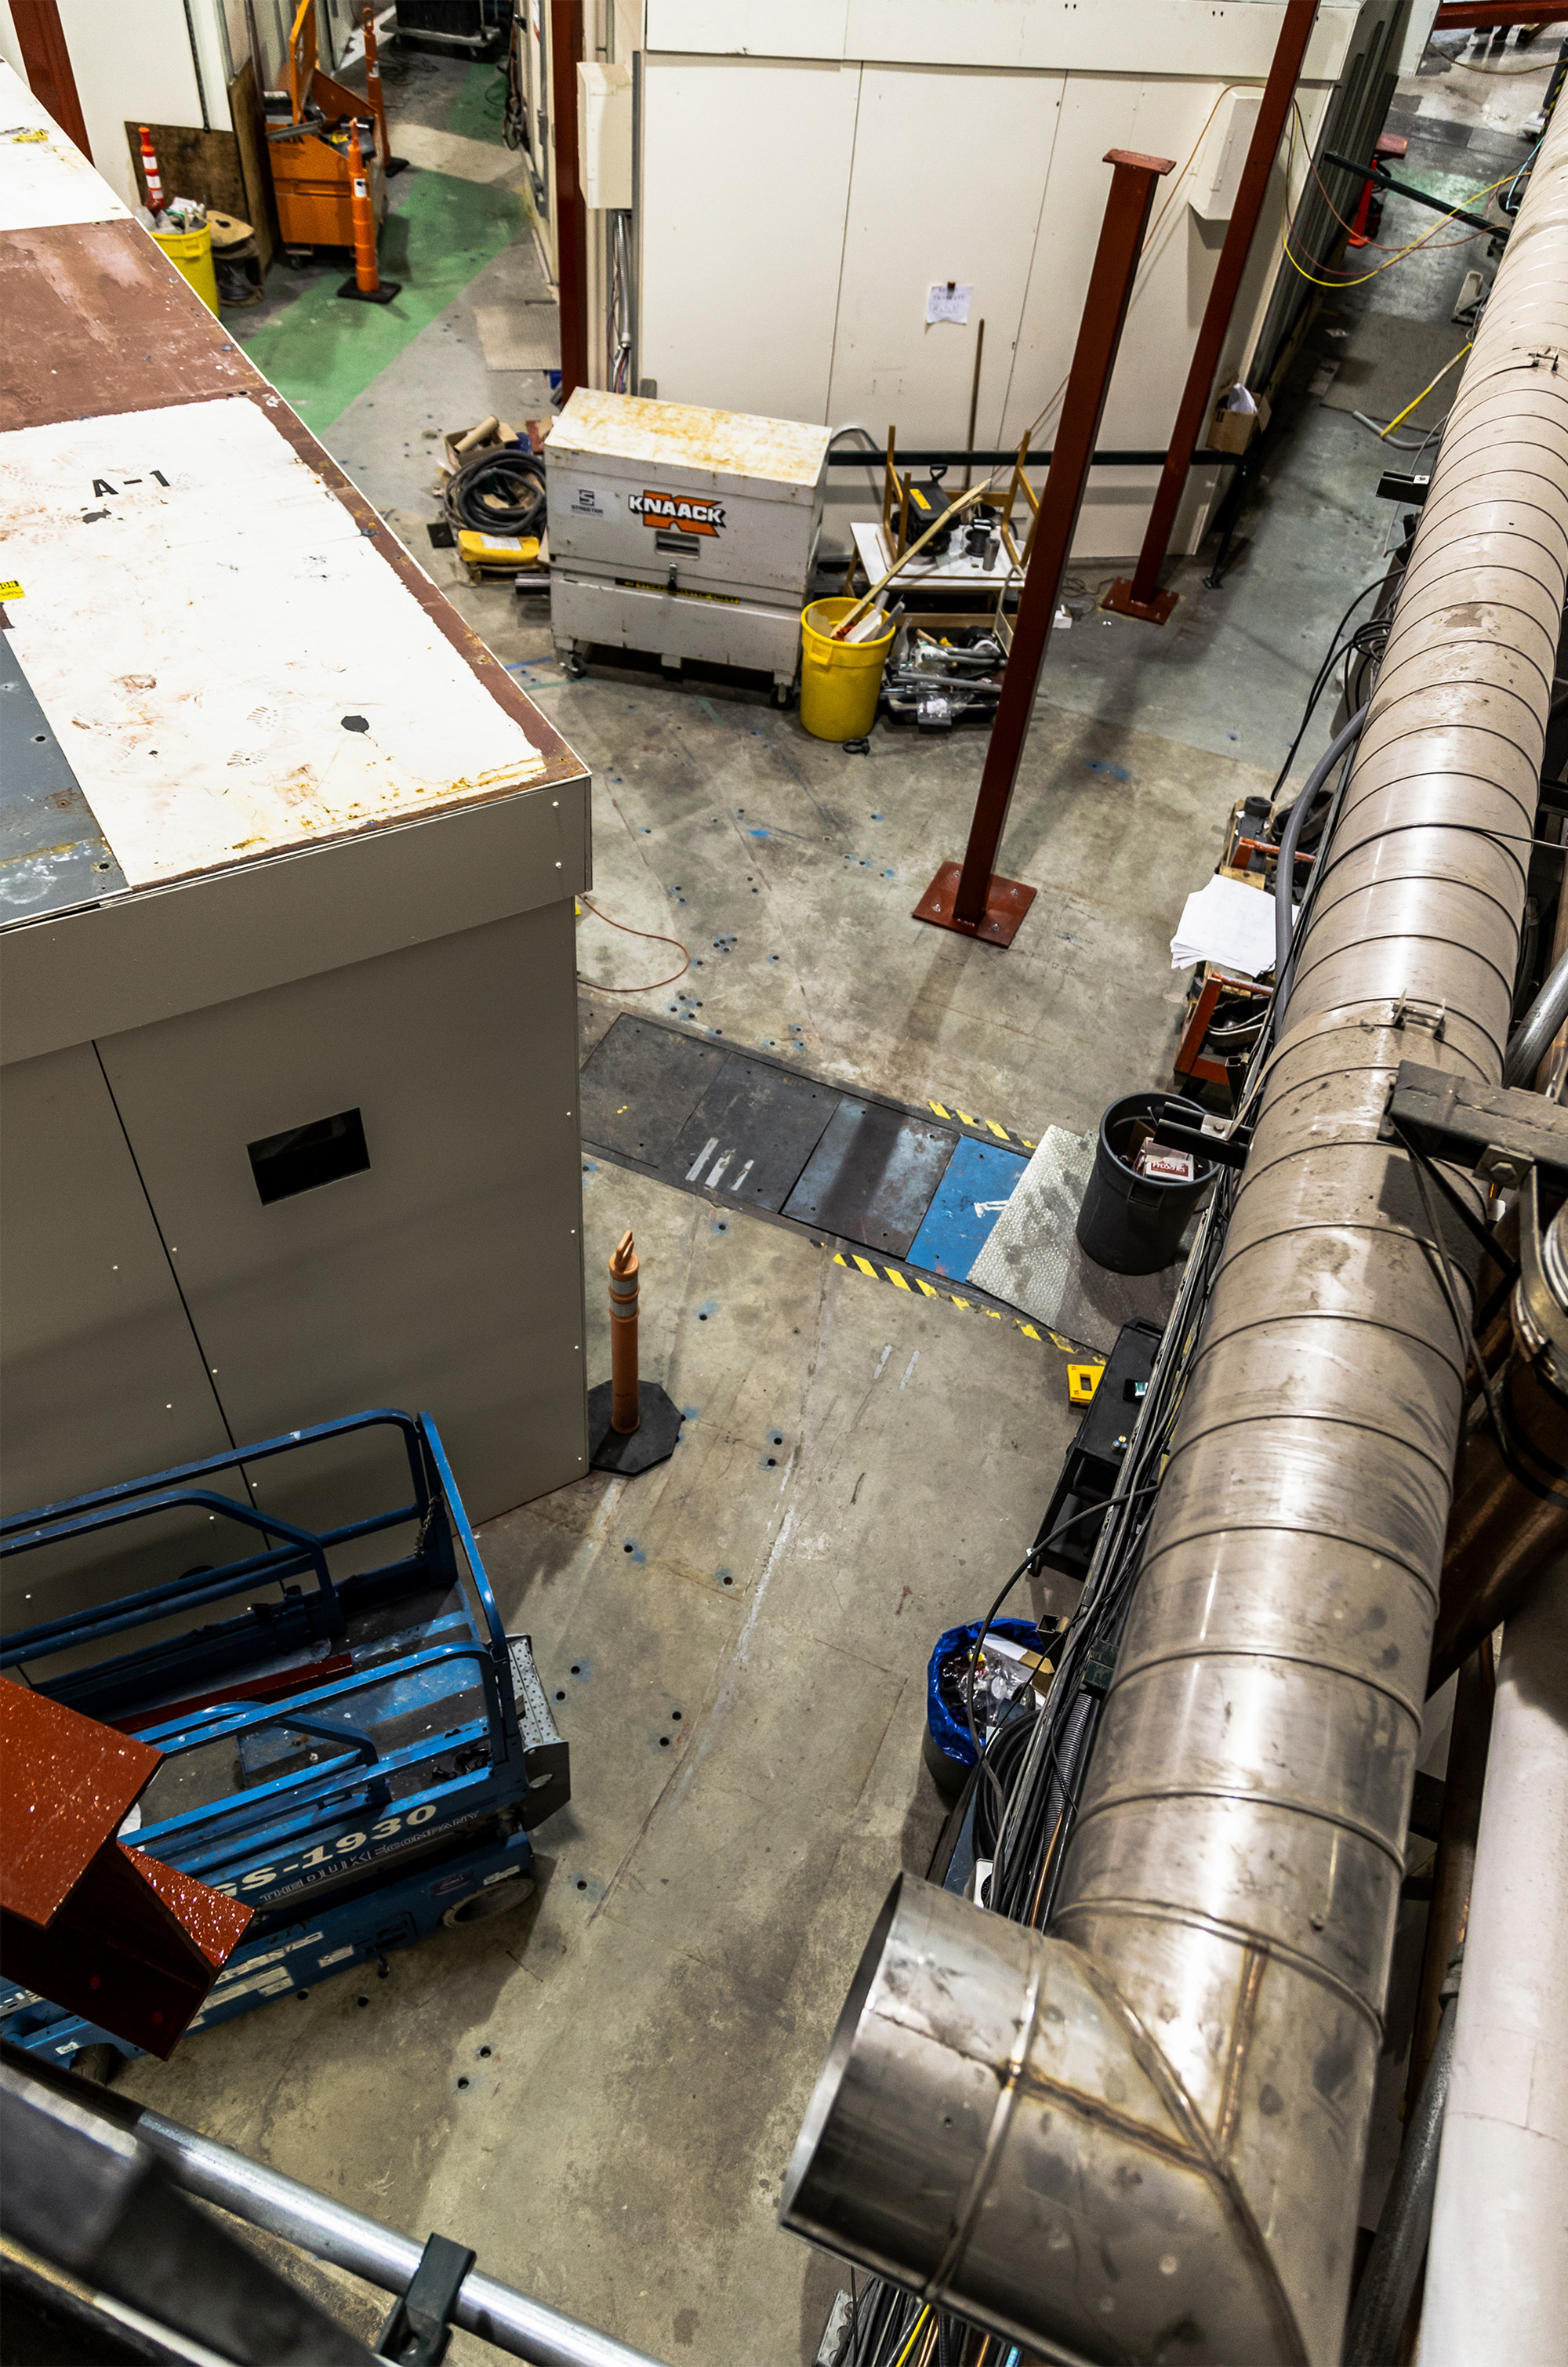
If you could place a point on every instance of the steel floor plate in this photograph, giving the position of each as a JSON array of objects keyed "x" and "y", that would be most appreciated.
[
  {"x": 1031, "y": 1258},
  {"x": 640, "y": 1085},
  {"x": 872, "y": 1176},
  {"x": 857, "y": 1172},
  {"x": 753, "y": 1131},
  {"x": 972, "y": 1195}
]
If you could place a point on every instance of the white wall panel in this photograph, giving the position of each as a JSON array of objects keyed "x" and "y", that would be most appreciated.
[
  {"x": 758, "y": 29},
  {"x": 985, "y": 140},
  {"x": 745, "y": 189},
  {"x": 1199, "y": 37},
  {"x": 10, "y": 47},
  {"x": 131, "y": 65}
]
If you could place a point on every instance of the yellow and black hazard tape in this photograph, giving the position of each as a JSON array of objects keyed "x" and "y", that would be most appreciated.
[
  {"x": 915, "y": 1286},
  {"x": 986, "y": 1127}
]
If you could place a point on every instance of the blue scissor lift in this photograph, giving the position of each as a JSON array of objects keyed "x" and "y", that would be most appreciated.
[{"x": 358, "y": 1759}]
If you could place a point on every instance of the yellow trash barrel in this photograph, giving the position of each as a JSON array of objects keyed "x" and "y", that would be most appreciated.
[
  {"x": 840, "y": 680},
  {"x": 190, "y": 251}
]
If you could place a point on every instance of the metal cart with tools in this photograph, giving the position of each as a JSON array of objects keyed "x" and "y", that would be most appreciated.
[{"x": 360, "y": 1758}]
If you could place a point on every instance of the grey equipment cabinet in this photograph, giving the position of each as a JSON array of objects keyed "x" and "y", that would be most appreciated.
[{"x": 288, "y": 1002}]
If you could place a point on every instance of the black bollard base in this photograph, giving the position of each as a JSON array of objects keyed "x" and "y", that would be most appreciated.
[{"x": 653, "y": 1441}]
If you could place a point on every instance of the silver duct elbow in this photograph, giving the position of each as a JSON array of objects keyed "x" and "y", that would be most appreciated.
[{"x": 1141, "y": 2136}]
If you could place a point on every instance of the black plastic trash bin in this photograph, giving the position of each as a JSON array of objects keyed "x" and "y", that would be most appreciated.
[{"x": 1131, "y": 1223}]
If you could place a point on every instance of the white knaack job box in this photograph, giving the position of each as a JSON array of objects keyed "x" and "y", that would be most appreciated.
[{"x": 686, "y": 532}]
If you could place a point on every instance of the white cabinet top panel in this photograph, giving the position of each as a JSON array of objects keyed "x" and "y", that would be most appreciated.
[
  {"x": 230, "y": 666},
  {"x": 44, "y": 178},
  {"x": 682, "y": 435}
]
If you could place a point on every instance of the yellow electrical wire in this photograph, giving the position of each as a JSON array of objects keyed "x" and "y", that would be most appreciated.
[
  {"x": 1145, "y": 262},
  {"x": 1287, "y": 225},
  {"x": 910, "y": 2345},
  {"x": 1424, "y": 393},
  {"x": 1503, "y": 74}
]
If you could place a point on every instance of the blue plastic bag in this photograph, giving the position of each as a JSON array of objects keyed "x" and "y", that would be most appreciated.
[{"x": 948, "y": 1674}]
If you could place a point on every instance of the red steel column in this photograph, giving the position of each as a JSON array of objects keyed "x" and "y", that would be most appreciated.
[
  {"x": 973, "y": 901},
  {"x": 1140, "y": 595},
  {"x": 571, "y": 214},
  {"x": 47, "y": 63}
]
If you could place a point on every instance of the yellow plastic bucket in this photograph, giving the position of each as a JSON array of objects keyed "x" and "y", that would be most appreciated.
[
  {"x": 190, "y": 251},
  {"x": 840, "y": 680}
]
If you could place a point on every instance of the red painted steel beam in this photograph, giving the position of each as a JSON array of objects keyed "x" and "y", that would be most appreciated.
[
  {"x": 971, "y": 899},
  {"x": 1454, "y": 17},
  {"x": 101, "y": 1929},
  {"x": 571, "y": 214},
  {"x": 1140, "y": 595},
  {"x": 47, "y": 63}
]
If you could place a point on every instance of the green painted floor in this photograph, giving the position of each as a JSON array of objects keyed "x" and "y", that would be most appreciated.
[
  {"x": 478, "y": 105},
  {"x": 321, "y": 352}
]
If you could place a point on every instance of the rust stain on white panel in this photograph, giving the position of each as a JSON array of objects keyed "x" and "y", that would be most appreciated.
[
  {"x": 230, "y": 666},
  {"x": 682, "y": 435},
  {"x": 44, "y": 178}
]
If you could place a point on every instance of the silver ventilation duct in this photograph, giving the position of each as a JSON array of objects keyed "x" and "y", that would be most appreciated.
[{"x": 1141, "y": 2137}]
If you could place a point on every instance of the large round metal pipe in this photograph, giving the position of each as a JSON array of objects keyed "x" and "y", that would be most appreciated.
[
  {"x": 1236, "y": 1864},
  {"x": 991, "y": 2119},
  {"x": 1230, "y": 1889}
]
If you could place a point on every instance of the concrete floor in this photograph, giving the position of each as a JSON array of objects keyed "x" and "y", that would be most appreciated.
[{"x": 600, "y": 2092}]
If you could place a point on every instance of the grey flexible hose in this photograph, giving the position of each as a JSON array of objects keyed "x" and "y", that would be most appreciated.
[
  {"x": 1388, "y": 2281},
  {"x": 876, "y": 457},
  {"x": 1530, "y": 1040},
  {"x": 1284, "y": 870}
]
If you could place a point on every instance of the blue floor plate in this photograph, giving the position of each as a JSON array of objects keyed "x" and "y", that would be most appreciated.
[{"x": 977, "y": 1184}]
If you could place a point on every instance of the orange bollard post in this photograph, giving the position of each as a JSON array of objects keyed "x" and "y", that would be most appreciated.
[
  {"x": 367, "y": 284},
  {"x": 632, "y": 1424},
  {"x": 389, "y": 163},
  {"x": 624, "y": 1415}
]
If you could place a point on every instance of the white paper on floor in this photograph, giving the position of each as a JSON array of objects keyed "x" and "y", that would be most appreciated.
[
  {"x": 1226, "y": 922},
  {"x": 1032, "y": 1259}
]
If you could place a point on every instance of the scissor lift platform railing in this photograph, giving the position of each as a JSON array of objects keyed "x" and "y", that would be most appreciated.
[{"x": 358, "y": 1759}]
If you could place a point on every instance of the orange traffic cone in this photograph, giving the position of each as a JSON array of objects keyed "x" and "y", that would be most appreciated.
[
  {"x": 367, "y": 284},
  {"x": 150, "y": 173},
  {"x": 389, "y": 163}
]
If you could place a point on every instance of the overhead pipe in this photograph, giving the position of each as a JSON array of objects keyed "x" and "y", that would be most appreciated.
[
  {"x": 1528, "y": 1046},
  {"x": 1393, "y": 2265},
  {"x": 1142, "y": 2135},
  {"x": 509, "y": 2321},
  {"x": 1496, "y": 2293},
  {"x": 1510, "y": 1506},
  {"x": 1453, "y": 1868}
]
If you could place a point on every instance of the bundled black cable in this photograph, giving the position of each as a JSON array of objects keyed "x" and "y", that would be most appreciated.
[
  {"x": 498, "y": 491},
  {"x": 1004, "y": 1756}
]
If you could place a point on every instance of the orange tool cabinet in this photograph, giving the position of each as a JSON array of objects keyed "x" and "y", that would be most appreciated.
[{"x": 316, "y": 155}]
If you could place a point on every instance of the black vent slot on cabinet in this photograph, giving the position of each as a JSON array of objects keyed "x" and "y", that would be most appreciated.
[{"x": 308, "y": 1156}]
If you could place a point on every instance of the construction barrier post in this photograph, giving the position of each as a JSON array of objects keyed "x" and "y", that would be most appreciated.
[
  {"x": 632, "y": 1424},
  {"x": 624, "y": 1415},
  {"x": 367, "y": 284}
]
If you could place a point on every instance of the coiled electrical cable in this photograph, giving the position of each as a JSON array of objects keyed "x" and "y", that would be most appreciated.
[{"x": 498, "y": 491}]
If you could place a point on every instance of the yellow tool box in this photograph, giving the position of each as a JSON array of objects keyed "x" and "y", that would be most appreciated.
[{"x": 496, "y": 554}]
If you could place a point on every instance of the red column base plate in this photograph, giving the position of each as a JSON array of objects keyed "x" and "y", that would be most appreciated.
[
  {"x": 1007, "y": 902},
  {"x": 1120, "y": 603}
]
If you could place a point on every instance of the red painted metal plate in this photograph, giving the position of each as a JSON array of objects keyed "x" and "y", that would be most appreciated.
[{"x": 66, "y": 1786}]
